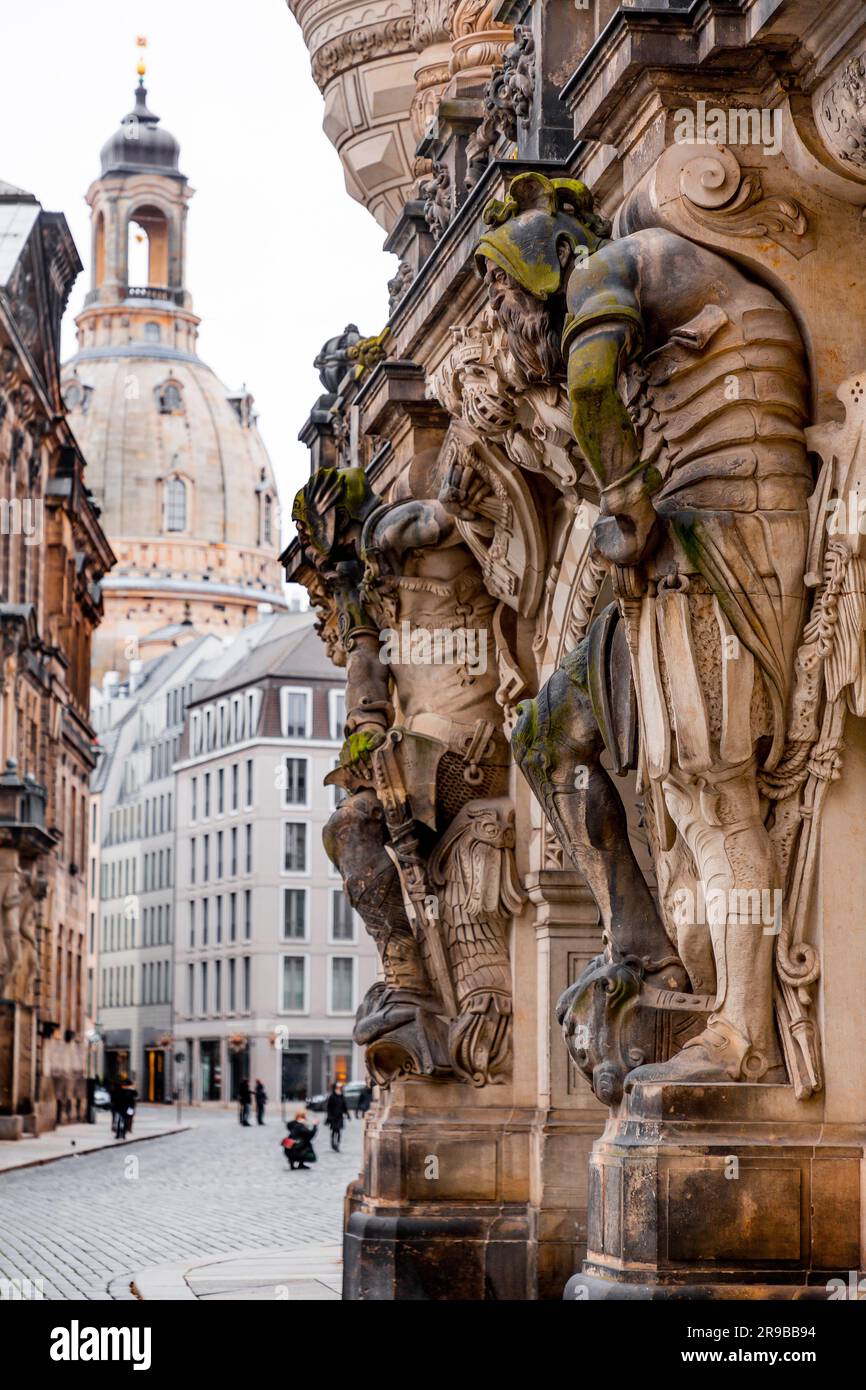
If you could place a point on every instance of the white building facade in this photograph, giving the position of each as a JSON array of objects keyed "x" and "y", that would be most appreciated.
[{"x": 270, "y": 960}]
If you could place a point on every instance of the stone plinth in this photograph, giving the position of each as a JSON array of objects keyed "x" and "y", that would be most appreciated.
[
  {"x": 698, "y": 1191},
  {"x": 443, "y": 1213}
]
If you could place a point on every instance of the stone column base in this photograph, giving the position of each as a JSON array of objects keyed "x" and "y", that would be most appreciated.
[
  {"x": 704, "y": 1191},
  {"x": 443, "y": 1209},
  {"x": 467, "y": 1254}
]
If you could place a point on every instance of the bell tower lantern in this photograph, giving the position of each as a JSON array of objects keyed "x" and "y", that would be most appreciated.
[{"x": 138, "y": 218}]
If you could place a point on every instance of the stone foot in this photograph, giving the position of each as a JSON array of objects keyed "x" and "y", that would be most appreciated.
[{"x": 720, "y": 1053}]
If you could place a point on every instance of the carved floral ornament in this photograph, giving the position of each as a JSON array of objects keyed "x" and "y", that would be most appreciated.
[
  {"x": 385, "y": 39},
  {"x": 840, "y": 114}
]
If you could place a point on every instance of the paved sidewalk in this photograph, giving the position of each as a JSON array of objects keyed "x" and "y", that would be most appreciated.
[
  {"x": 70, "y": 1141},
  {"x": 312, "y": 1273}
]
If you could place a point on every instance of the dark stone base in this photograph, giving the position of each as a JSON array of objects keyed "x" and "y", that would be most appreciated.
[
  {"x": 585, "y": 1287},
  {"x": 448, "y": 1256}
]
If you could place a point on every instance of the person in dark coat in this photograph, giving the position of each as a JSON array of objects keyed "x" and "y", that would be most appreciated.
[
  {"x": 365, "y": 1100},
  {"x": 298, "y": 1145},
  {"x": 261, "y": 1101},
  {"x": 116, "y": 1107},
  {"x": 336, "y": 1111},
  {"x": 245, "y": 1096},
  {"x": 124, "y": 1098}
]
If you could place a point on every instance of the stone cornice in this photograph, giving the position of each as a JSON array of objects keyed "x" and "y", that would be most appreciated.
[{"x": 387, "y": 39}]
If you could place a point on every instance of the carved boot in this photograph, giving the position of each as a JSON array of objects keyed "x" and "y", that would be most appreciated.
[{"x": 720, "y": 1053}]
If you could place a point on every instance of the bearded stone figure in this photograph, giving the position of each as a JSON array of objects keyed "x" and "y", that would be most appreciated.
[{"x": 687, "y": 387}]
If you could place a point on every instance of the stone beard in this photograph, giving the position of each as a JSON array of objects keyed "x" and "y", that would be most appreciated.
[{"x": 533, "y": 338}]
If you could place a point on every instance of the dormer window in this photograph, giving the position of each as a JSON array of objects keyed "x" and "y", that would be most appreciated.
[
  {"x": 169, "y": 398},
  {"x": 175, "y": 505}
]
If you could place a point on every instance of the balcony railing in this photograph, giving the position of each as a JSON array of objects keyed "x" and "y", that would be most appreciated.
[{"x": 154, "y": 292}]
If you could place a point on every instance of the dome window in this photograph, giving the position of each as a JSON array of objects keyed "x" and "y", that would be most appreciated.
[
  {"x": 175, "y": 505},
  {"x": 169, "y": 399},
  {"x": 152, "y": 333},
  {"x": 76, "y": 396}
]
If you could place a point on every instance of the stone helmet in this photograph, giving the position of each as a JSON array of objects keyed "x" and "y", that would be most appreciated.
[{"x": 528, "y": 226}]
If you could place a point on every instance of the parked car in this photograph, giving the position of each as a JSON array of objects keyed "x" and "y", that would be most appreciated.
[{"x": 101, "y": 1098}]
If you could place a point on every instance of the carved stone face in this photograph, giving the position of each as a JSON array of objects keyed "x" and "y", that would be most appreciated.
[{"x": 532, "y": 337}]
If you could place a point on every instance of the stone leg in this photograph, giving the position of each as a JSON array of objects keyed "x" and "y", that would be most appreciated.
[{"x": 558, "y": 746}]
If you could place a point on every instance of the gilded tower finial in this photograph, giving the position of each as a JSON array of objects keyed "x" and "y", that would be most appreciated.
[{"x": 141, "y": 67}]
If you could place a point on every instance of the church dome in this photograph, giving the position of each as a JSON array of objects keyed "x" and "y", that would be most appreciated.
[
  {"x": 174, "y": 460},
  {"x": 173, "y": 457},
  {"x": 140, "y": 143}
]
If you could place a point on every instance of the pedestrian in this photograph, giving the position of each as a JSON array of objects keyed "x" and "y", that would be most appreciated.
[
  {"x": 129, "y": 1098},
  {"x": 261, "y": 1101},
  {"x": 116, "y": 1106},
  {"x": 364, "y": 1101},
  {"x": 245, "y": 1096},
  {"x": 336, "y": 1111},
  {"x": 298, "y": 1144}
]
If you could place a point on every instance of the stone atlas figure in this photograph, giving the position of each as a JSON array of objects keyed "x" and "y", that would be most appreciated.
[
  {"x": 687, "y": 385},
  {"x": 424, "y": 839}
]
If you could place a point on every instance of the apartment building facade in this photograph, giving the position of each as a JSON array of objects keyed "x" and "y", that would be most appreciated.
[{"x": 270, "y": 961}]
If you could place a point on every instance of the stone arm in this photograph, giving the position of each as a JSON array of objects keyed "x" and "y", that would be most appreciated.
[
  {"x": 603, "y": 333},
  {"x": 414, "y": 525}
]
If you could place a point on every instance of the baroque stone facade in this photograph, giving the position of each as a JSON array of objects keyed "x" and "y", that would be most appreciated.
[
  {"x": 588, "y": 509},
  {"x": 53, "y": 555}
]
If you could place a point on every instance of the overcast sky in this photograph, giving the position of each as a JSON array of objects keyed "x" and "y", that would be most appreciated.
[{"x": 280, "y": 257}]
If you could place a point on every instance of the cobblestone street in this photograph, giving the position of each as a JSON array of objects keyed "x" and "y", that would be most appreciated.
[{"x": 84, "y": 1224}]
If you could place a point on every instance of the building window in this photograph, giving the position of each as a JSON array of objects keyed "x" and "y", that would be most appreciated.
[
  {"x": 192, "y": 861},
  {"x": 205, "y": 868},
  {"x": 152, "y": 332},
  {"x": 204, "y": 1001},
  {"x": 234, "y": 786},
  {"x": 338, "y": 794},
  {"x": 233, "y": 916},
  {"x": 294, "y": 914},
  {"x": 204, "y": 921},
  {"x": 219, "y": 920},
  {"x": 336, "y": 712},
  {"x": 296, "y": 782},
  {"x": 295, "y": 847},
  {"x": 246, "y": 999},
  {"x": 234, "y": 852},
  {"x": 342, "y": 917},
  {"x": 207, "y": 796},
  {"x": 249, "y": 781},
  {"x": 248, "y": 857},
  {"x": 169, "y": 398},
  {"x": 232, "y": 997},
  {"x": 192, "y": 922},
  {"x": 295, "y": 713},
  {"x": 175, "y": 505},
  {"x": 294, "y": 984},
  {"x": 190, "y": 989},
  {"x": 248, "y": 913},
  {"x": 218, "y": 986},
  {"x": 342, "y": 993},
  {"x": 220, "y": 791}
]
